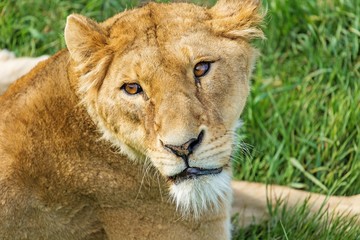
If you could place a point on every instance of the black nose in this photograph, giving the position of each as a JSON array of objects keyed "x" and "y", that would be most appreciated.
[{"x": 187, "y": 148}]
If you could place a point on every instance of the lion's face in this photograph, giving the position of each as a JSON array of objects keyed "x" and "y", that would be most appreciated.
[{"x": 164, "y": 83}]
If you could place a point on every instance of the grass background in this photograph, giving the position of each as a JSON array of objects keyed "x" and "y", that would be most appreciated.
[{"x": 301, "y": 124}]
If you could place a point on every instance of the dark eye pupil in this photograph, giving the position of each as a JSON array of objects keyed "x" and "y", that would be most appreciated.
[
  {"x": 132, "y": 88},
  {"x": 201, "y": 69}
]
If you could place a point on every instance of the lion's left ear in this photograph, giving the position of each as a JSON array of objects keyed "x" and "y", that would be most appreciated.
[
  {"x": 83, "y": 37},
  {"x": 237, "y": 19},
  {"x": 87, "y": 43}
]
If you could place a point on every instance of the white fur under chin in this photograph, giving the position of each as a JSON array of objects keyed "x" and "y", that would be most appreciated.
[{"x": 193, "y": 197}]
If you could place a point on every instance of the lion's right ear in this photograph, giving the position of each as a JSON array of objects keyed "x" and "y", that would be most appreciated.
[
  {"x": 237, "y": 19},
  {"x": 83, "y": 37}
]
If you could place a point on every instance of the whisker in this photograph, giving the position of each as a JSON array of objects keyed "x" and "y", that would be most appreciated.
[
  {"x": 159, "y": 185},
  {"x": 141, "y": 184}
]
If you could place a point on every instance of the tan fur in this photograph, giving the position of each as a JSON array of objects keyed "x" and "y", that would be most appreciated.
[{"x": 81, "y": 159}]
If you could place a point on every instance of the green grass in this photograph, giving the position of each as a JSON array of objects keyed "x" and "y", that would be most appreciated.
[
  {"x": 302, "y": 119},
  {"x": 304, "y": 109},
  {"x": 297, "y": 224}
]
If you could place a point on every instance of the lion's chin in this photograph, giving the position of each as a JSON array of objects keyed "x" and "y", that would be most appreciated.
[{"x": 197, "y": 196}]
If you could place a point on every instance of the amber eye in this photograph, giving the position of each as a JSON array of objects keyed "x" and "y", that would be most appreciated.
[
  {"x": 132, "y": 88},
  {"x": 201, "y": 69}
]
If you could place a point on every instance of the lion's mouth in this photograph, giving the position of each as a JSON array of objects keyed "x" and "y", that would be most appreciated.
[{"x": 194, "y": 172}]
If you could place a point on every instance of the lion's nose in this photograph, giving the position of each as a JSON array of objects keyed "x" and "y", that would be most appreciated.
[{"x": 187, "y": 148}]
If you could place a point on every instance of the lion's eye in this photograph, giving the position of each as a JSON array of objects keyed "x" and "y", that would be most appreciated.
[
  {"x": 201, "y": 69},
  {"x": 132, "y": 88}
]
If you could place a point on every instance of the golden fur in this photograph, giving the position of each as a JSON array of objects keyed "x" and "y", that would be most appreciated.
[{"x": 82, "y": 159}]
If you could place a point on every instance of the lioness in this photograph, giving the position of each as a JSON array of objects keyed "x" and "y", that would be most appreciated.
[{"x": 128, "y": 133}]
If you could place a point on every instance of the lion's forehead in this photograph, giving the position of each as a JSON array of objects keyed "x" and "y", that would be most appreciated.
[
  {"x": 157, "y": 23},
  {"x": 171, "y": 59},
  {"x": 160, "y": 38}
]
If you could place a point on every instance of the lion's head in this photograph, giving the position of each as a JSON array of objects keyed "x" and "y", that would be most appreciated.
[{"x": 168, "y": 82}]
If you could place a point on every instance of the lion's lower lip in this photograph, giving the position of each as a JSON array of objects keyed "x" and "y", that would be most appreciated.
[{"x": 194, "y": 172}]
